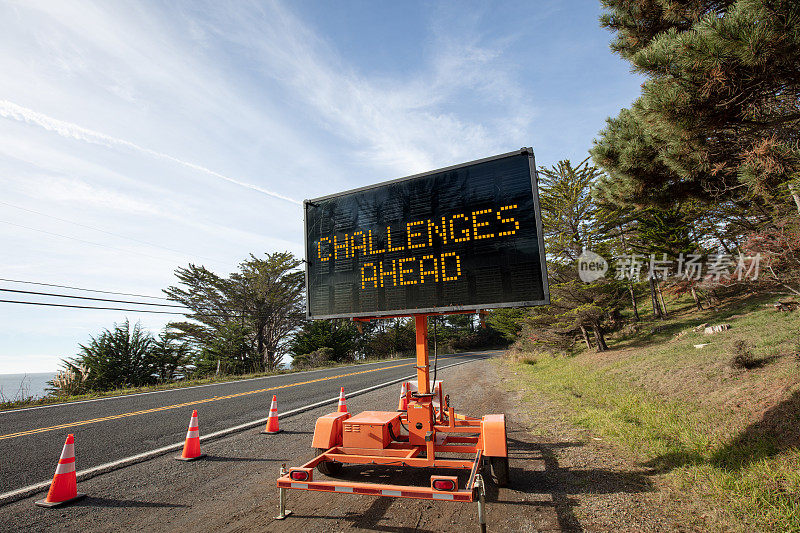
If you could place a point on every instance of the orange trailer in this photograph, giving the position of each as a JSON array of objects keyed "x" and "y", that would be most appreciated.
[{"x": 433, "y": 430}]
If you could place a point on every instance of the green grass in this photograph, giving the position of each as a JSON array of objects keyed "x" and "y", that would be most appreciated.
[{"x": 727, "y": 439}]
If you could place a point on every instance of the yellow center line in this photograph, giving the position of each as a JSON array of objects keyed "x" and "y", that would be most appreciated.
[{"x": 195, "y": 402}]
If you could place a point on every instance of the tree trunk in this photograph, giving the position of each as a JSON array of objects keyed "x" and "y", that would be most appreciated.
[
  {"x": 714, "y": 296},
  {"x": 633, "y": 303},
  {"x": 709, "y": 303},
  {"x": 260, "y": 338},
  {"x": 599, "y": 338},
  {"x": 661, "y": 299},
  {"x": 654, "y": 298},
  {"x": 697, "y": 301},
  {"x": 795, "y": 195},
  {"x": 585, "y": 334}
]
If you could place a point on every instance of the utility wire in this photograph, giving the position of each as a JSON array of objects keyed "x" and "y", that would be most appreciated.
[
  {"x": 83, "y": 289},
  {"x": 89, "y": 307},
  {"x": 38, "y": 293},
  {"x": 90, "y": 298},
  {"x": 112, "y": 308},
  {"x": 108, "y": 232}
]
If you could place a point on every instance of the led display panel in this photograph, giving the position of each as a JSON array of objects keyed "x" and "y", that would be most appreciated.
[{"x": 460, "y": 238}]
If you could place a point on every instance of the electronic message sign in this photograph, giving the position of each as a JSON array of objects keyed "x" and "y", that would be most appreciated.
[{"x": 459, "y": 238}]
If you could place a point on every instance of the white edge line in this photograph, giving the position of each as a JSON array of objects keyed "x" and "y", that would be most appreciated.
[
  {"x": 176, "y": 389},
  {"x": 24, "y": 492}
]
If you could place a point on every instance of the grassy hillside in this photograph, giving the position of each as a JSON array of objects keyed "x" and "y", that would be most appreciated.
[{"x": 724, "y": 436}]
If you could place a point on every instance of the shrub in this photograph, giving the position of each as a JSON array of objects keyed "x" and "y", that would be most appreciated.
[
  {"x": 516, "y": 355},
  {"x": 316, "y": 358},
  {"x": 68, "y": 382},
  {"x": 338, "y": 336},
  {"x": 481, "y": 338}
]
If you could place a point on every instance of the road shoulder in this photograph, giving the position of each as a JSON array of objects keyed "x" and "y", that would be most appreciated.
[{"x": 594, "y": 484}]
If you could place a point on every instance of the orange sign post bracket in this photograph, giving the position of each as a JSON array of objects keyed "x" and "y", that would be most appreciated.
[{"x": 423, "y": 362}]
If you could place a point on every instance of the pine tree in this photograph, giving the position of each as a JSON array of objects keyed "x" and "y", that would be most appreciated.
[
  {"x": 576, "y": 306},
  {"x": 247, "y": 315},
  {"x": 273, "y": 296},
  {"x": 574, "y": 222},
  {"x": 722, "y": 102},
  {"x": 568, "y": 211}
]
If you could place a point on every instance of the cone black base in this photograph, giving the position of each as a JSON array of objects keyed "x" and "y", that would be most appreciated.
[
  {"x": 265, "y": 432},
  {"x": 45, "y": 503},
  {"x": 190, "y": 458}
]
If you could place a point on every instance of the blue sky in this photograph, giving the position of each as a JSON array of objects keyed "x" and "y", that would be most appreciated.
[{"x": 136, "y": 137}]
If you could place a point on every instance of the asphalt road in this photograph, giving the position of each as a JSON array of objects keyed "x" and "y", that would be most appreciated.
[
  {"x": 111, "y": 429},
  {"x": 232, "y": 489}
]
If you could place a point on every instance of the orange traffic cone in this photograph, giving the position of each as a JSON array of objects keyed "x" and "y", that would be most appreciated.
[
  {"x": 272, "y": 421},
  {"x": 191, "y": 448},
  {"x": 342, "y": 403},
  {"x": 64, "y": 488},
  {"x": 403, "y": 406}
]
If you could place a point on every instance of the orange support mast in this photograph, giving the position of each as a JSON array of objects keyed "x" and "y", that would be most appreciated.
[{"x": 423, "y": 361}]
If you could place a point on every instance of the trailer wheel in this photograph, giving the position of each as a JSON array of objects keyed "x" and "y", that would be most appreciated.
[
  {"x": 328, "y": 468},
  {"x": 500, "y": 471}
]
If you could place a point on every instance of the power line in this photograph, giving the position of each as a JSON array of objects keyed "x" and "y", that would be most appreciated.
[
  {"x": 90, "y": 307},
  {"x": 90, "y": 298},
  {"x": 82, "y": 289},
  {"x": 39, "y": 293},
  {"x": 111, "y": 308},
  {"x": 109, "y": 232}
]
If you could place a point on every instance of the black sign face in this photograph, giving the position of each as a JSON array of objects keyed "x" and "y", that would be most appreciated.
[{"x": 460, "y": 238}]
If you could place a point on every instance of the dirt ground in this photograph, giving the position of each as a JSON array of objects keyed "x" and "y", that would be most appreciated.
[{"x": 562, "y": 479}]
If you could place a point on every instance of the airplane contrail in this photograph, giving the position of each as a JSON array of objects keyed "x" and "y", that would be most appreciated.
[{"x": 73, "y": 131}]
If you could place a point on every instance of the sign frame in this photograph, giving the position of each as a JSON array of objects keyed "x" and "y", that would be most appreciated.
[{"x": 448, "y": 309}]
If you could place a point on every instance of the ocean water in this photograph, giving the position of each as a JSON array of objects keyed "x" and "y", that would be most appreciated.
[{"x": 18, "y": 386}]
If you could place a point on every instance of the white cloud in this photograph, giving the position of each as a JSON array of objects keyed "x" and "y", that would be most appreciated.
[
  {"x": 13, "y": 111},
  {"x": 70, "y": 190},
  {"x": 394, "y": 123}
]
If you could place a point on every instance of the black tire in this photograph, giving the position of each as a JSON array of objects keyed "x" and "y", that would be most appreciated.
[
  {"x": 499, "y": 470},
  {"x": 328, "y": 468}
]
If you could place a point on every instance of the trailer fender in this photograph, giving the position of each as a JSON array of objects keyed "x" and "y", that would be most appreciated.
[
  {"x": 493, "y": 433},
  {"x": 328, "y": 431}
]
